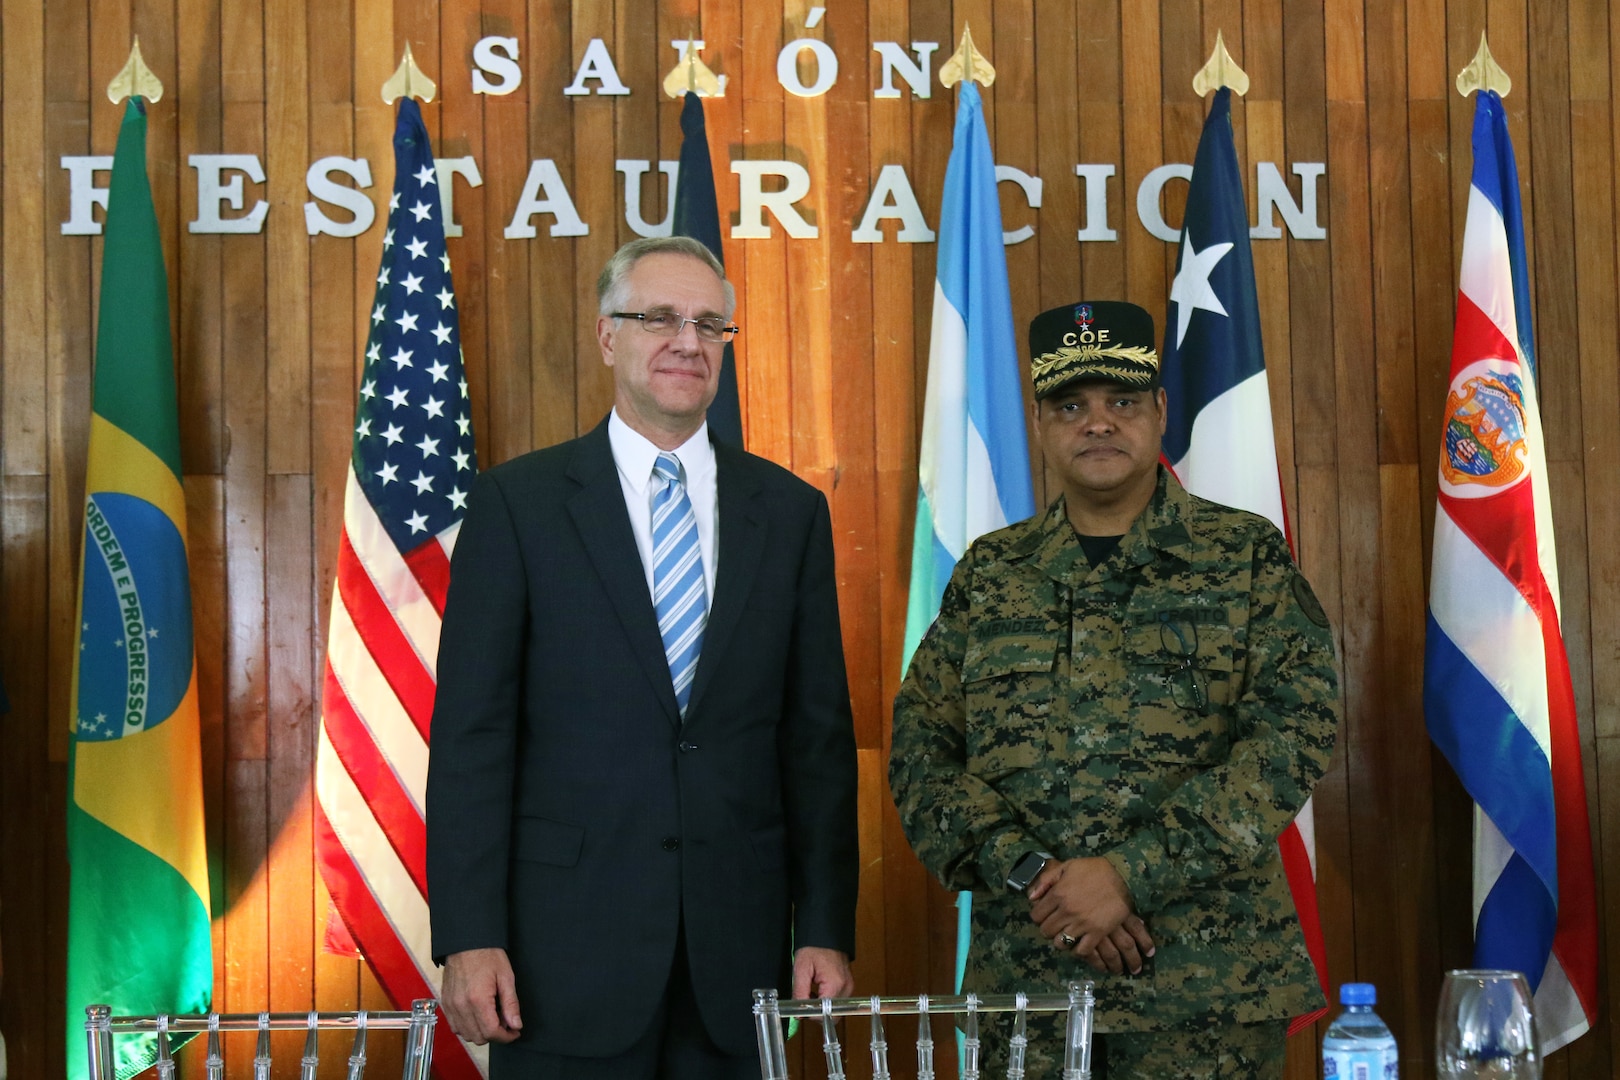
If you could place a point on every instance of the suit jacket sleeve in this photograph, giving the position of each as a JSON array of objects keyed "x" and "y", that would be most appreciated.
[
  {"x": 474, "y": 734},
  {"x": 818, "y": 757}
]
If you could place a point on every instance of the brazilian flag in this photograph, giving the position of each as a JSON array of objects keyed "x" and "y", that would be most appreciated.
[{"x": 138, "y": 910}]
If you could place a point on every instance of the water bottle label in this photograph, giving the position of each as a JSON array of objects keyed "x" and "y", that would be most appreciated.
[{"x": 1360, "y": 1066}]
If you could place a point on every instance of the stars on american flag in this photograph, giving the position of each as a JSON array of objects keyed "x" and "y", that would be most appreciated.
[{"x": 413, "y": 446}]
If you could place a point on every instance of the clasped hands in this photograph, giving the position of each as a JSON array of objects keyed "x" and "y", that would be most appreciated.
[{"x": 1087, "y": 900}]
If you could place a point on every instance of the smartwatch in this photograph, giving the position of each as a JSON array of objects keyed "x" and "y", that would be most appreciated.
[{"x": 1027, "y": 869}]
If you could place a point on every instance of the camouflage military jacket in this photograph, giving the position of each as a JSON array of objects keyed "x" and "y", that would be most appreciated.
[{"x": 1169, "y": 710}]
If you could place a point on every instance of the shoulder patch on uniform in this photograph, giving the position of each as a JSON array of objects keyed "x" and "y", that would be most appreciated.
[{"x": 1308, "y": 601}]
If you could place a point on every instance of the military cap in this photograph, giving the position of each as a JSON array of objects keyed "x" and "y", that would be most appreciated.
[{"x": 1106, "y": 340}]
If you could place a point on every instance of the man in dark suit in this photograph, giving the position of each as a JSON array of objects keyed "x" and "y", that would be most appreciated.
[{"x": 642, "y": 779}]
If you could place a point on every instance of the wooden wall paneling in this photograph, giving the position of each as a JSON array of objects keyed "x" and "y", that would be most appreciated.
[
  {"x": 290, "y": 627},
  {"x": 597, "y": 201},
  {"x": 850, "y": 377},
  {"x": 111, "y": 31},
  {"x": 154, "y": 23},
  {"x": 1388, "y": 171},
  {"x": 1100, "y": 89},
  {"x": 1403, "y": 761},
  {"x": 721, "y": 26},
  {"x": 1434, "y": 290},
  {"x": 1017, "y": 143},
  {"x": 1465, "y": 20},
  {"x": 461, "y": 134},
  {"x": 808, "y": 343},
  {"x": 1076, "y": 114},
  {"x": 22, "y": 240},
  {"x": 1263, "y": 141},
  {"x": 377, "y": 49},
  {"x": 34, "y": 1031},
  {"x": 1077, "y": 84},
  {"x": 287, "y": 297},
  {"x": 1429, "y": 85},
  {"x": 1093, "y": 94},
  {"x": 548, "y": 308},
  {"x": 334, "y": 360},
  {"x": 1144, "y": 150},
  {"x": 1598, "y": 389},
  {"x": 763, "y": 288},
  {"x": 1606, "y": 839},
  {"x": 1588, "y": 1055},
  {"x": 1310, "y": 297},
  {"x": 1544, "y": 162},
  {"x": 1317, "y": 543},
  {"x": 196, "y": 273},
  {"x": 64, "y": 357},
  {"x": 933, "y": 124},
  {"x": 1182, "y": 52},
  {"x": 245, "y": 316},
  {"x": 510, "y": 383},
  {"x": 895, "y": 358},
  {"x": 245, "y": 986},
  {"x": 206, "y": 560}
]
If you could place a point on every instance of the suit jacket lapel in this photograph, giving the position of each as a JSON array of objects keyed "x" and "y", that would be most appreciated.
[
  {"x": 604, "y": 525},
  {"x": 742, "y": 542}
]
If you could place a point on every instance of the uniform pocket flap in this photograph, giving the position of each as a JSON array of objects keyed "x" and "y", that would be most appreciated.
[
  {"x": 542, "y": 840},
  {"x": 1008, "y": 656}
]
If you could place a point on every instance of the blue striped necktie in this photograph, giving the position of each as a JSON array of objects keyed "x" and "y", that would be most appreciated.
[{"x": 679, "y": 596}]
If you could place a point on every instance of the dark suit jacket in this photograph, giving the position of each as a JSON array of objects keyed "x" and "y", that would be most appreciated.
[{"x": 573, "y": 818}]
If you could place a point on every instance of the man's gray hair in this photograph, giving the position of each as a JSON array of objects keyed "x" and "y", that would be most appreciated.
[{"x": 611, "y": 286}]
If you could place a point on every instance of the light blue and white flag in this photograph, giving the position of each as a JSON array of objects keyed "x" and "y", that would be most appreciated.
[{"x": 973, "y": 466}]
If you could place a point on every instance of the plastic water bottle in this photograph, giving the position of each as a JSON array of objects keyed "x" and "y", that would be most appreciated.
[{"x": 1358, "y": 1044}]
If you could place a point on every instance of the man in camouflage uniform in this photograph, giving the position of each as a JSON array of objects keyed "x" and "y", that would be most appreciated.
[{"x": 1122, "y": 704}]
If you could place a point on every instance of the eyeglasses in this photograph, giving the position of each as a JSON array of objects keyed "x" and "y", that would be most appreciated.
[
  {"x": 1179, "y": 638},
  {"x": 666, "y": 323}
]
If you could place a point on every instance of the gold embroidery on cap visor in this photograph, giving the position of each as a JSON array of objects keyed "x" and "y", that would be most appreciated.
[{"x": 1134, "y": 365}]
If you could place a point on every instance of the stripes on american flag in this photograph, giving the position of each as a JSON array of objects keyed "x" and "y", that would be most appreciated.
[{"x": 412, "y": 466}]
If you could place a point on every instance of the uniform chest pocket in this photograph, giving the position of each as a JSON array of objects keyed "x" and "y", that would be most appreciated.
[
  {"x": 1180, "y": 668},
  {"x": 1009, "y": 686}
]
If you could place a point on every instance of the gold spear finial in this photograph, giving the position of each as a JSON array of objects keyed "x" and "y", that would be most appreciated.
[
  {"x": 1220, "y": 70},
  {"x": 135, "y": 79},
  {"x": 967, "y": 62},
  {"x": 1483, "y": 73},
  {"x": 691, "y": 73},
  {"x": 408, "y": 81}
]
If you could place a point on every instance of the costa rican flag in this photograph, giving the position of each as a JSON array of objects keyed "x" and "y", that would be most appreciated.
[
  {"x": 409, "y": 475},
  {"x": 1496, "y": 686},
  {"x": 1218, "y": 436}
]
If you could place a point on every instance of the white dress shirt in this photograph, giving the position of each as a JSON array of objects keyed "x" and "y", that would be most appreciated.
[{"x": 634, "y": 454}]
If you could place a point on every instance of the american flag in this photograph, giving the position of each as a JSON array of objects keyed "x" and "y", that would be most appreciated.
[{"x": 412, "y": 466}]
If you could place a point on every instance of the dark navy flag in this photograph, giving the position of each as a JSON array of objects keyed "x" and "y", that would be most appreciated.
[
  {"x": 697, "y": 214},
  {"x": 1218, "y": 435}
]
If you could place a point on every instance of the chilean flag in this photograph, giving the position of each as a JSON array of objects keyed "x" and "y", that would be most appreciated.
[
  {"x": 1218, "y": 435},
  {"x": 1496, "y": 686}
]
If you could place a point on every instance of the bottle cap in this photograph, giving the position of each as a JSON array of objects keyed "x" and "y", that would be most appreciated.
[{"x": 1358, "y": 994}]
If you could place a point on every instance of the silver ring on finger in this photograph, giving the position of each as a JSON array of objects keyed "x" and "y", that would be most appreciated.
[{"x": 1068, "y": 940}]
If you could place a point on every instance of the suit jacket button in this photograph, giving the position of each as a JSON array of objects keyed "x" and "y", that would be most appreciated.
[
  {"x": 688, "y": 747},
  {"x": 671, "y": 843}
]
